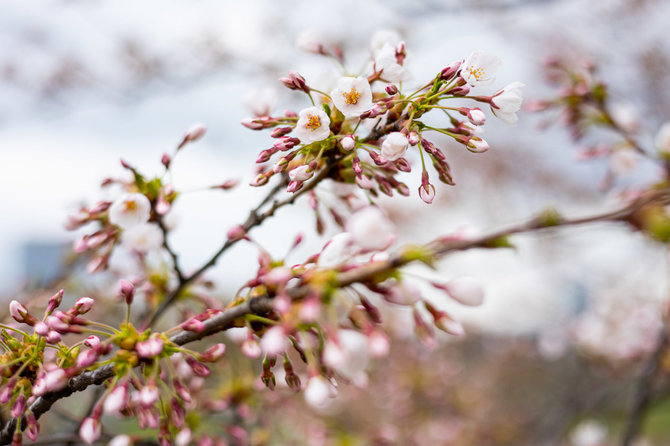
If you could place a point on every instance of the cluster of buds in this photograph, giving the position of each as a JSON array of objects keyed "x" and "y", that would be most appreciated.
[{"x": 329, "y": 134}]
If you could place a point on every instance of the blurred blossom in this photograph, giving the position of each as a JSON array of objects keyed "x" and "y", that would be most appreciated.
[{"x": 588, "y": 433}]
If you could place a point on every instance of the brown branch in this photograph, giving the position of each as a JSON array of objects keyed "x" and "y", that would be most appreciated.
[{"x": 263, "y": 305}]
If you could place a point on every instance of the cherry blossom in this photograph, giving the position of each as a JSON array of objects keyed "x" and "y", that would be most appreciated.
[
  {"x": 130, "y": 210},
  {"x": 352, "y": 96},
  {"x": 312, "y": 125}
]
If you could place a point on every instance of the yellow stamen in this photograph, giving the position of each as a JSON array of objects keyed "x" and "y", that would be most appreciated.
[
  {"x": 351, "y": 98},
  {"x": 478, "y": 73},
  {"x": 130, "y": 205},
  {"x": 313, "y": 122}
]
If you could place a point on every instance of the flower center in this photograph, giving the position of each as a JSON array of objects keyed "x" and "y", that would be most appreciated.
[
  {"x": 478, "y": 73},
  {"x": 130, "y": 205},
  {"x": 351, "y": 98},
  {"x": 313, "y": 122}
]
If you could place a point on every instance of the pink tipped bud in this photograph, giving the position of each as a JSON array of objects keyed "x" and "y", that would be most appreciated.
[
  {"x": 427, "y": 193},
  {"x": 391, "y": 89},
  {"x": 413, "y": 138},
  {"x": 198, "y": 368},
  {"x": 116, "y": 400},
  {"x": 194, "y": 133},
  {"x": 127, "y": 291},
  {"x": 165, "y": 160},
  {"x": 33, "y": 427},
  {"x": 253, "y": 124},
  {"x": 301, "y": 173},
  {"x": 87, "y": 358},
  {"x": 260, "y": 180},
  {"x": 285, "y": 143},
  {"x": 348, "y": 143},
  {"x": 55, "y": 301},
  {"x": 364, "y": 182},
  {"x": 476, "y": 116},
  {"x": 251, "y": 348},
  {"x": 193, "y": 325},
  {"x": 56, "y": 324},
  {"x": 92, "y": 341},
  {"x": 20, "y": 313},
  {"x": 264, "y": 156},
  {"x": 378, "y": 159},
  {"x": 459, "y": 91},
  {"x": 476, "y": 145},
  {"x": 150, "y": 348},
  {"x": 41, "y": 328},
  {"x": 450, "y": 70},
  {"x": 295, "y": 81},
  {"x": 356, "y": 166},
  {"x": 213, "y": 353},
  {"x": 402, "y": 165},
  {"x": 90, "y": 430},
  {"x": 53, "y": 337},
  {"x": 281, "y": 131},
  {"x": 6, "y": 392},
  {"x": 236, "y": 233},
  {"x": 83, "y": 305},
  {"x": 294, "y": 186},
  {"x": 19, "y": 406},
  {"x": 148, "y": 395}
]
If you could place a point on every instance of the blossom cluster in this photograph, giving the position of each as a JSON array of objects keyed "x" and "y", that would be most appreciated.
[{"x": 364, "y": 130}]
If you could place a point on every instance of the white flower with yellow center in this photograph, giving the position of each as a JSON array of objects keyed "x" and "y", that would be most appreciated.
[
  {"x": 130, "y": 210},
  {"x": 144, "y": 237},
  {"x": 480, "y": 69},
  {"x": 352, "y": 96},
  {"x": 313, "y": 125}
]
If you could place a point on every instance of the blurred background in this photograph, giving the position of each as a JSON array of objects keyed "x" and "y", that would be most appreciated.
[{"x": 551, "y": 358}]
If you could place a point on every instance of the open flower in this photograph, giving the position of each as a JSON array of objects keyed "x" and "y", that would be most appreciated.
[
  {"x": 370, "y": 229},
  {"x": 394, "y": 146},
  {"x": 352, "y": 96},
  {"x": 506, "y": 102},
  {"x": 130, "y": 210},
  {"x": 144, "y": 237},
  {"x": 384, "y": 37},
  {"x": 387, "y": 63},
  {"x": 480, "y": 69},
  {"x": 313, "y": 125},
  {"x": 337, "y": 251}
]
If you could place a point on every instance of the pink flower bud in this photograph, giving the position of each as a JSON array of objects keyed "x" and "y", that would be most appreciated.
[
  {"x": 193, "y": 325},
  {"x": 295, "y": 81},
  {"x": 281, "y": 131},
  {"x": 236, "y": 233},
  {"x": 413, "y": 138},
  {"x": 195, "y": 132},
  {"x": 55, "y": 301},
  {"x": 476, "y": 116},
  {"x": 260, "y": 180},
  {"x": 427, "y": 193},
  {"x": 90, "y": 430},
  {"x": 116, "y": 400},
  {"x": 20, "y": 313},
  {"x": 56, "y": 324},
  {"x": 83, "y": 305},
  {"x": 183, "y": 437},
  {"x": 127, "y": 291},
  {"x": 253, "y": 124},
  {"x": 294, "y": 186},
  {"x": 198, "y": 368},
  {"x": 87, "y": 358},
  {"x": 53, "y": 337},
  {"x": 150, "y": 348},
  {"x": 54, "y": 380},
  {"x": 285, "y": 143},
  {"x": 391, "y": 89},
  {"x": 33, "y": 427},
  {"x": 6, "y": 392},
  {"x": 251, "y": 348},
  {"x": 165, "y": 160},
  {"x": 41, "y": 328},
  {"x": 148, "y": 395},
  {"x": 450, "y": 70},
  {"x": 19, "y": 406},
  {"x": 460, "y": 91},
  {"x": 348, "y": 143},
  {"x": 213, "y": 353},
  {"x": 301, "y": 173},
  {"x": 92, "y": 341},
  {"x": 378, "y": 159}
]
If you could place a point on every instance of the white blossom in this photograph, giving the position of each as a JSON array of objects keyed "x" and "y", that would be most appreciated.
[
  {"x": 130, "y": 210},
  {"x": 352, "y": 96},
  {"x": 465, "y": 290},
  {"x": 337, "y": 251},
  {"x": 386, "y": 62},
  {"x": 625, "y": 115},
  {"x": 313, "y": 125},
  {"x": 121, "y": 440},
  {"x": 384, "y": 37},
  {"x": 261, "y": 102},
  {"x": 370, "y": 229},
  {"x": 317, "y": 392},
  {"x": 301, "y": 173},
  {"x": 507, "y": 101},
  {"x": 394, "y": 146},
  {"x": 144, "y": 237},
  {"x": 90, "y": 430},
  {"x": 274, "y": 341},
  {"x": 480, "y": 69},
  {"x": 309, "y": 41}
]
